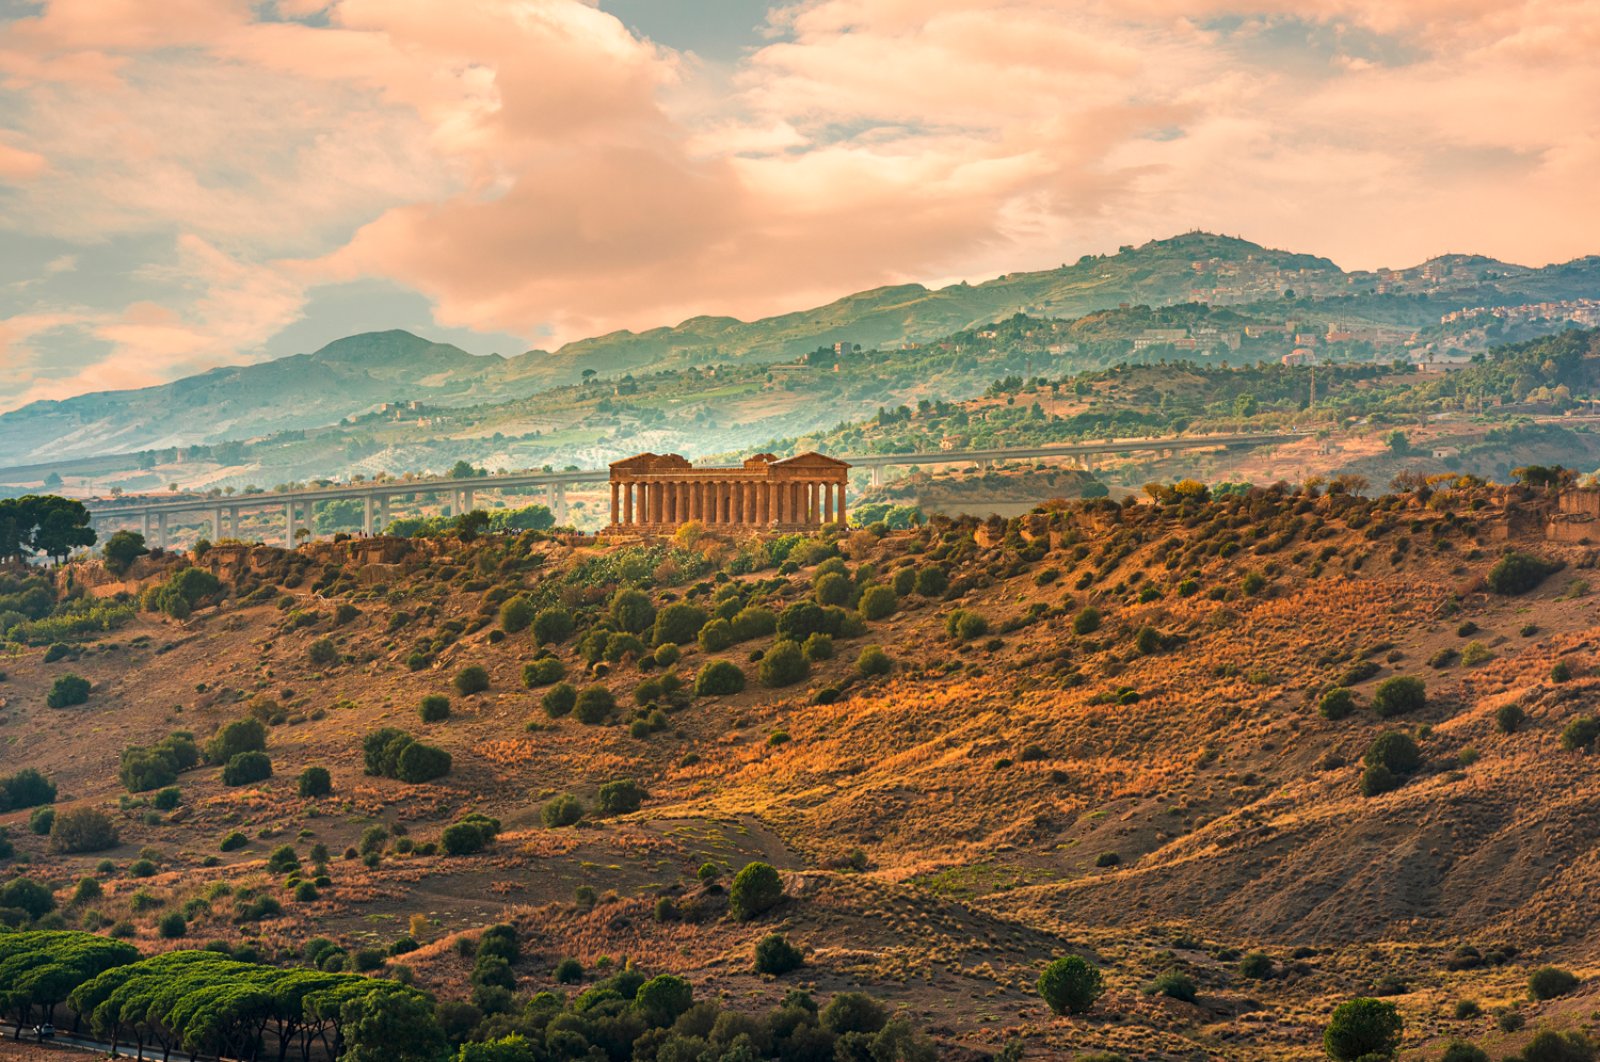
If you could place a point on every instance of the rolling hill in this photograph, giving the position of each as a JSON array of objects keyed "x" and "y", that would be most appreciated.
[{"x": 353, "y": 375}]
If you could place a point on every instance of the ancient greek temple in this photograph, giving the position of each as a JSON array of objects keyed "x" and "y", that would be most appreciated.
[{"x": 655, "y": 492}]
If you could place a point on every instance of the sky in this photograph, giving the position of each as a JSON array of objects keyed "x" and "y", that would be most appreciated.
[{"x": 195, "y": 183}]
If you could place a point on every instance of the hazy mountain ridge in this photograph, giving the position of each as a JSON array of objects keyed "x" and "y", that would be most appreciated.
[{"x": 354, "y": 374}]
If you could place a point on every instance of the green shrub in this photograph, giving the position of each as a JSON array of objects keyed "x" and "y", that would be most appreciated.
[
  {"x": 568, "y": 972},
  {"x": 1517, "y": 573},
  {"x": 474, "y": 678},
  {"x": 241, "y": 735},
  {"x": 873, "y": 661},
  {"x": 322, "y": 653},
  {"x": 621, "y": 796},
  {"x": 247, "y": 767},
  {"x": 470, "y": 835},
  {"x": 667, "y": 654},
  {"x": 719, "y": 678},
  {"x": 595, "y": 704},
  {"x": 1395, "y": 750},
  {"x": 679, "y": 623},
  {"x": 818, "y": 647},
  {"x": 832, "y": 588},
  {"x": 315, "y": 782},
  {"x": 753, "y": 622},
  {"x": 756, "y": 889},
  {"x": 282, "y": 860},
  {"x": 1363, "y": 1028},
  {"x": 932, "y": 581},
  {"x": 1549, "y": 1045},
  {"x": 1475, "y": 653},
  {"x": 965, "y": 625},
  {"x": 1580, "y": 734},
  {"x": 233, "y": 841},
  {"x": 1509, "y": 718},
  {"x": 559, "y": 699},
  {"x": 662, "y": 999},
  {"x": 1462, "y": 1051},
  {"x": 172, "y": 925},
  {"x": 1548, "y": 982},
  {"x": 1337, "y": 703},
  {"x": 1174, "y": 985},
  {"x": 1398, "y": 696},
  {"x": 41, "y": 820},
  {"x": 552, "y": 626},
  {"x": 1377, "y": 779},
  {"x": 632, "y": 611},
  {"x": 422, "y": 763},
  {"x": 776, "y": 956},
  {"x": 716, "y": 635},
  {"x": 435, "y": 708},
  {"x": 878, "y": 602},
  {"x": 564, "y": 810},
  {"x": 516, "y": 614},
  {"x": 67, "y": 691},
  {"x": 1087, "y": 621},
  {"x": 1070, "y": 985},
  {"x": 543, "y": 672},
  {"x": 82, "y": 830},
  {"x": 784, "y": 664},
  {"x": 167, "y": 799},
  {"x": 1256, "y": 965}
]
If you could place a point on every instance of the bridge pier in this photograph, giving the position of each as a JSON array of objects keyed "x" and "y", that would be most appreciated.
[
  {"x": 144, "y": 525},
  {"x": 161, "y": 530},
  {"x": 368, "y": 512},
  {"x": 288, "y": 524},
  {"x": 877, "y": 475}
]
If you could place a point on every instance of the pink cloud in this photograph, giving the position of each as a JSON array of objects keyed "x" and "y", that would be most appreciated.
[
  {"x": 19, "y": 165},
  {"x": 534, "y": 166}
]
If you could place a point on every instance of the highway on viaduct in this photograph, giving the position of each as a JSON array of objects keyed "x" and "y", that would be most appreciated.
[{"x": 152, "y": 513}]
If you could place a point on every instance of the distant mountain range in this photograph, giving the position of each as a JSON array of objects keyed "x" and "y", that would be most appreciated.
[{"x": 355, "y": 374}]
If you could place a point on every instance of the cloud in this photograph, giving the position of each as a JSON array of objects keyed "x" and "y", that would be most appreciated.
[{"x": 533, "y": 167}]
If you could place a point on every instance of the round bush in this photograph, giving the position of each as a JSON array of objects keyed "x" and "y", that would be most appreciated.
[
  {"x": 679, "y": 623},
  {"x": 315, "y": 782},
  {"x": 1070, "y": 985},
  {"x": 1362, "y": 1028},
  {"x": 172, "y": 925},
  {"x": 322, "y": 653},
  {"x": 542, "y": 672},
  {"x": 632, "y": 611},
  {"x": 435, "y": 708},
  {"x": 719, "y": 678},
  {"x": 564, "y": 810},
  {"x": 516, "y": 614},
  {"x": 784, "y": 664},
  {"x": 756, "y": 889},
  {"x": 595, "y": 704},
  {"x": 1399, "y": 695},
  {"x": 753, "y": 622},
  {"x": 1548, "y": 982},
  {"x": 621, "y": 796},
  {"x": 932, "y": 581},
  {"x": 716, "y": 635},
  {"x": 1174, "y": 985},
  {"x": 878, "y": 602},
  {"x": 82, "y": 830},
  {"x": 873, "y": 661},
  {"x": 818, "y": 647},
  {"x": 776, "y": 956},
  {"x": 1395, "y": 750},
  {"x": 559, "y": 699},
  {"x": 473, "y": 678},
  {"x": 1087, "y": 621},
  {"x": 552, "y": 625},
  {"x": 421, "y": 763},
  {"x": 247, "y": 767},
  {"x": 1337, "y": 703},
  {"x": 68, "y": 691},
  {"x": 832, "y": 588},
  {"x": 1580, "y": 734}
]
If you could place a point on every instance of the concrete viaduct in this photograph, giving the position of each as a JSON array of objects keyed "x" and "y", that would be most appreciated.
[{"x": 150, "y": 515}]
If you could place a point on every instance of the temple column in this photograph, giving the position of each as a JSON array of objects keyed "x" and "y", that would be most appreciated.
[
  {"x": 752, "y": 504},
  {"x": 763, "y": 503},
  {"x": 616, "y": 503},
  {"x": 827, "y": 502},
  {"x": 738, "y": 503},
  {"x": 780, "y": 503},
  {"x": 669, "y": 502},
  {"x": 655, "y": 501},
  {"x": 843, "y": 487}
]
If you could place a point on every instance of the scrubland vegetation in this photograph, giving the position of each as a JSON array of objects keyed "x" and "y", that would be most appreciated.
[{"x": 1192, "y": 776}]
